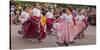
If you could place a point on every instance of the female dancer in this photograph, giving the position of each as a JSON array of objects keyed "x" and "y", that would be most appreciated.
[
  {"x": 80, "y": 25},
  {"x": 65, "y": 30},
  {"x": 32, "y": 29},
  {"x": 23, "y": 18},
  {"x": 49, "y": 15}
]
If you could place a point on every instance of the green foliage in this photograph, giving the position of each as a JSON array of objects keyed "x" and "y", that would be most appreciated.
[{"x": 27, "y": 3}]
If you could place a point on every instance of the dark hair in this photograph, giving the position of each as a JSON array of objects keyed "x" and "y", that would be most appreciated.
[
  {"x": 79, "y": 10},
  {"x": 24, "y": 8},
  {"x": 70, "y": 8},
  {"x": 43, "y": 12},
  {"x": 63, "y": 11}
]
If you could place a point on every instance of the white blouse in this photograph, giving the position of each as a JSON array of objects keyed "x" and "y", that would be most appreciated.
[
  {"x": 24, "y": 15},
  {"x": 36, "y": 12},
  {"x": 79, "y": 18},
  {"x": 49, "y": 15},
  {"x": 67, "y": 18}
]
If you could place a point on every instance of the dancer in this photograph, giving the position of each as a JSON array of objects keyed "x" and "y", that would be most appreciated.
[
  {"x": 23, "y": 18},
  {"x": 50, "y": 20},
  {"x": 80, "y": 25},
  {"x": 65, "y": 30},
  {"x": 32, "y": 28},
  {"x": 42, "y": 25}
]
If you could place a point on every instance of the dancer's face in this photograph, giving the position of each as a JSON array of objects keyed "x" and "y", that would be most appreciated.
[
  {"x": 68, "y": 11},
  {"x": 38, "y": 6},
  {"x": 30, "y": 11},
  {"x": 80, "y": 13}
]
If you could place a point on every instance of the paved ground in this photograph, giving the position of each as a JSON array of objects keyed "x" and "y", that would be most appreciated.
[{"x": 18, "y": 43}]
